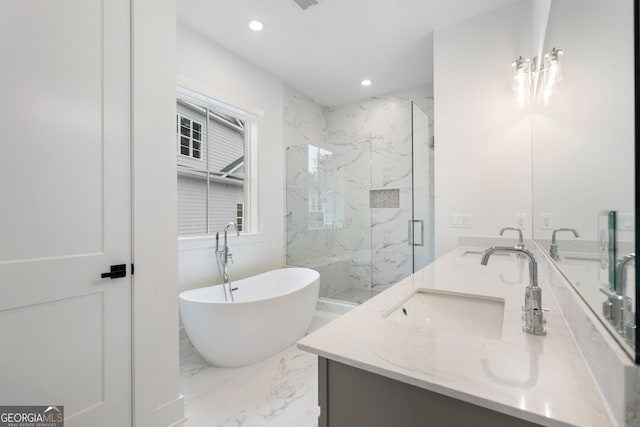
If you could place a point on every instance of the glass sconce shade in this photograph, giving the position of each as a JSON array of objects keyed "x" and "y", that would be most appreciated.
[
  {"x": 522, "y": 77},
  {"x": 551, "y": 74}
]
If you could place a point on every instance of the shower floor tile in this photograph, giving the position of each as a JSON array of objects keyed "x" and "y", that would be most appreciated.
[
  {"x": 281, "y": 391},
  {"x": 354, "y": 295}
]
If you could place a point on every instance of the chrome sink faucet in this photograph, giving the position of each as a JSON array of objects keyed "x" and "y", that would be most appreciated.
[
  {"x": 532, "y": 309},
  {"x": 553, "y": 249},
  {"x": 618, "y": 308},
  {"x": 628, "y": 317},
  {"x": 520, "y": 244}
]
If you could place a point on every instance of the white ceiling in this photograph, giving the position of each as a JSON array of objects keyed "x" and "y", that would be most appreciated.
[{"x": 327, "y": 49}]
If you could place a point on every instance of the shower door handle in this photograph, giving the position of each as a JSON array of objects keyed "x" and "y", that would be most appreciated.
[{"x": 412, "y": 233}]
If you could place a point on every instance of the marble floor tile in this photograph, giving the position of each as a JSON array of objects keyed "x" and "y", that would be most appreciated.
[{"x": 281, "y": 391}]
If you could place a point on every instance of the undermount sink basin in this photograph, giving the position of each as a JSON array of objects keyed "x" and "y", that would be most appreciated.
[{"x": 461, "y": 313}]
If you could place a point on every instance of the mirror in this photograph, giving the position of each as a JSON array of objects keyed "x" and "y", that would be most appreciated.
[{"x": 583, "y": 158}]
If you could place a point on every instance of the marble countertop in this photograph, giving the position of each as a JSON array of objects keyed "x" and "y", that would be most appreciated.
[{"x": 542, "y": 379}]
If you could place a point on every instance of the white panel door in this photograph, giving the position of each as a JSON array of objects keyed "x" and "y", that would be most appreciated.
[{"x": 65, "y": 208}]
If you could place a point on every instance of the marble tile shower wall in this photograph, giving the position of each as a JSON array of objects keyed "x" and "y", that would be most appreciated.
[
  {"x": 304, "y": 119},
  {"x": 388, "y": 120},
  {"x": 339, "y": 246},
  {"x": 340, "y": 250},
  {"x": 371, "y": 144}
]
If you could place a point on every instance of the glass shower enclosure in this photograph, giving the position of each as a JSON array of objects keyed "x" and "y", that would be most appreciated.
[{"x": 359, "y": 211}]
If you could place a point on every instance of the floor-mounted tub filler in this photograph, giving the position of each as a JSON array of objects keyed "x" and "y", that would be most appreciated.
[{"x": 270, "y": 312}]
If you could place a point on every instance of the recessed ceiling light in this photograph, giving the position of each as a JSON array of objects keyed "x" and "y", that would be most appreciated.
[
  {"x": 256, "y": 25},
  {"x": 366, "y": 82}
]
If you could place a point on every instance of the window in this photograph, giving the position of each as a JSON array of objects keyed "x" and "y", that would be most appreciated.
[
  {"x": 239, "y": 215},
  {"x": 214, "y": 161},
  {"x": 189, "y": 137}
]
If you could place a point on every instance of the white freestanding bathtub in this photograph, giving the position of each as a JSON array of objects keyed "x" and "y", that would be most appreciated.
[{"x": 271, "y": 312}]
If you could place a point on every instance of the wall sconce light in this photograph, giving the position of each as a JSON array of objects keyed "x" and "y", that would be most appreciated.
[
  {"x": 551, "y": 74},
  {"x": 546, "y": 79},
  {"x": 522, "y": 78}
]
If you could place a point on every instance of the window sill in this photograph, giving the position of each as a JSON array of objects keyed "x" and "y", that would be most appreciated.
[{"x": 208, "y": 241}]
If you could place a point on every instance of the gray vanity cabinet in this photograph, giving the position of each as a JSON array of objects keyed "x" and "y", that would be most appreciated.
[{"x": 352, "y": 397}]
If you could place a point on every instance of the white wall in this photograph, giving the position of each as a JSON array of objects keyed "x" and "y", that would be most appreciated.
[
  {"x": 482, "y": 142},
  {"x": 207, "y": 68},
  {"x": 539, "y": 19},
  {"x": 583, "y": 142},
  {"x": 155, "y": 315}
]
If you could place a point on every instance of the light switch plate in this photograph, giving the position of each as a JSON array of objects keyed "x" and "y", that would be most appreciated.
[
  {"x": 460, "y": 220},
  {"x": 546, "y": 221},
  {"x": 625, "y": 221}
]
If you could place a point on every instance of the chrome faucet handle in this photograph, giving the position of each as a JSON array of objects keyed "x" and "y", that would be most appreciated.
[
  {"x": 630, "y": 333},
  {"x": 230, "y": 256},
  {"x": 614, "y": 309},
  {"x": 628, "y": 319},
  {"x": 608, "y": 304},
  {"x": 520, "y": 244},
  {"x": 534, "y": 322}
]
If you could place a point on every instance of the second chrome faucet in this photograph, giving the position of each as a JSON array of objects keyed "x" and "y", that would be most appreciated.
[
  {"x": 532, "y": 309},
  {"x": 618, "y": 308},
  {"x": 553, "y": 249},
  {"x": 520, "y": 244}
]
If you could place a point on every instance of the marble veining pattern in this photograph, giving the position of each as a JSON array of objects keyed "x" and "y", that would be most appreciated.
[
  {"x": 370, "y": 146},
  {"x": 543, "y": 379},
  {"x": 281, "y": 391},
  {"x": 617, "y": 377}
]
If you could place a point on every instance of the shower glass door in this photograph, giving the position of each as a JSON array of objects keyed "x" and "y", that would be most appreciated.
[
  {"x": 421, "y": 230},
  {"x": 328, "y": 219},
  {"x": 360, "y": 207}
]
